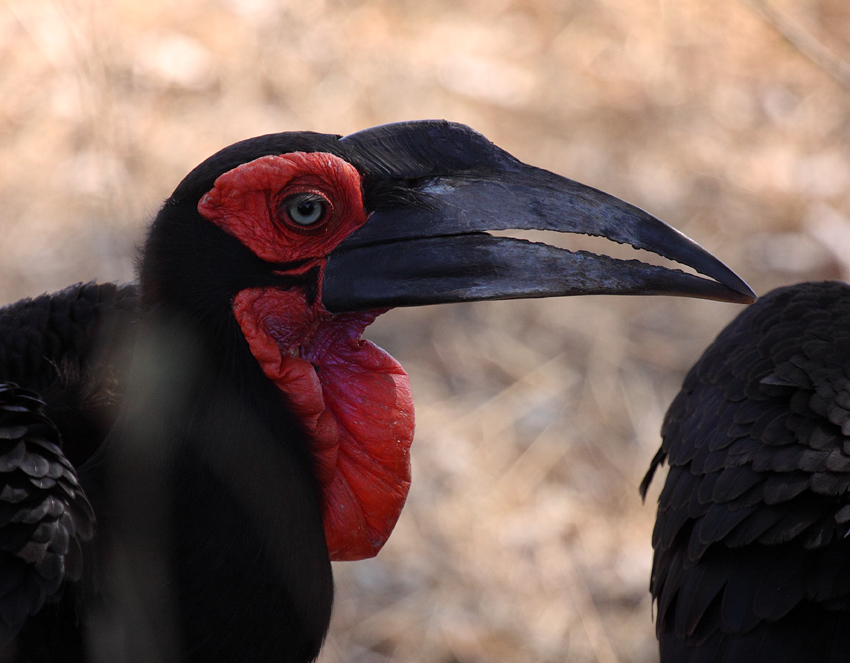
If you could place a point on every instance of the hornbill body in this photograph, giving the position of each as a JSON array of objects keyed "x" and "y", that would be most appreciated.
[
  {"x": 182, "y": 459},
  {"x": 752, "y": 557}
]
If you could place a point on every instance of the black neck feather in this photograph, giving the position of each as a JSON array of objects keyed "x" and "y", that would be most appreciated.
[{"x": 209, "y": 502}]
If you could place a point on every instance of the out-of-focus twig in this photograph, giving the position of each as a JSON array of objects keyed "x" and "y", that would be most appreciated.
[
  {"x": 589, "y": 615},
  {"x": 805, "y": 42}
]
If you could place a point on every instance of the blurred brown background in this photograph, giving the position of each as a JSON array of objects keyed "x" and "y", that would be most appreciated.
[{"x": 524, "y": 538}]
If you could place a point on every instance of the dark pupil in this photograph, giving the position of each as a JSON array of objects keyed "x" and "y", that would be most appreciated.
[{"x": 307, "y": 207}]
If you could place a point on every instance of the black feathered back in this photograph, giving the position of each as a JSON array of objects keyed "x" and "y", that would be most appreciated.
[
  {"x": 71, "y": 347},
  {"x": 62, "y": 364},
  {"x": 752, "y": 559}
]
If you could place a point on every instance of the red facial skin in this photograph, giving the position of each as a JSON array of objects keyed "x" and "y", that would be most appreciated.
[{"x": 353, "y": 399}]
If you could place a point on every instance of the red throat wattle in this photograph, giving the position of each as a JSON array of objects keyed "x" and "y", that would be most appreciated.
[{"x": 352, "y": 398}]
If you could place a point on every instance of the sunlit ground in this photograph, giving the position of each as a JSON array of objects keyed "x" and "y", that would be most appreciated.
[{"x": 524, "y": 538}]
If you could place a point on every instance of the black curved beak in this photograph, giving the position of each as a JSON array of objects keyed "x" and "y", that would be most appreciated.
[{"x": 426, "y": 241}]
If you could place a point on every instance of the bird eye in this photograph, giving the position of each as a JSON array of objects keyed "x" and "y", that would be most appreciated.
[{"x": 305, "y": 209}]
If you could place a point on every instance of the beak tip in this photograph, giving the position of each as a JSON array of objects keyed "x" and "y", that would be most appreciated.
[
  {"x": 748, "y": 298},
  {"x": 741, "y": 293}
]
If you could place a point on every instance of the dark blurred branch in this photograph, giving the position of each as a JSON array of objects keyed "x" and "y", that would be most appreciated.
[{"x": 804, "y": 41}]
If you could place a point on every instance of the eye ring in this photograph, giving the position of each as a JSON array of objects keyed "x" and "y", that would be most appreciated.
[{"x": 305, "y": 209}]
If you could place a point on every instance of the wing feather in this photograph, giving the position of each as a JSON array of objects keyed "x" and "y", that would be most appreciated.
[{"x": 42, "y": 508}]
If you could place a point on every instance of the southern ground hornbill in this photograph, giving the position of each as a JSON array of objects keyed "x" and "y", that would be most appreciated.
[
  {"x": 752, "y": 554},
  {"x": 181, "y": 459}
]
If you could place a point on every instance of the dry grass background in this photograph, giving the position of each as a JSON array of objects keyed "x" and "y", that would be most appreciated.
[{"x": 524, "y": 538}]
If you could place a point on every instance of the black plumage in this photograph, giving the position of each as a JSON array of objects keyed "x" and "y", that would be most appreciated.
[
  {"x": 164, "y": 491},
  {"x": 69, "y": 349},
  {"x": 751, "y": 538}
]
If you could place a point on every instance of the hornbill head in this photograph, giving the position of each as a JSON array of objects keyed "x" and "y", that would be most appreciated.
[{"x": 303, "y": 239}]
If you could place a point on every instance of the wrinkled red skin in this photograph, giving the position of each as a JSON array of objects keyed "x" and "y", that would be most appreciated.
[{"x": 352, "y": 398}]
